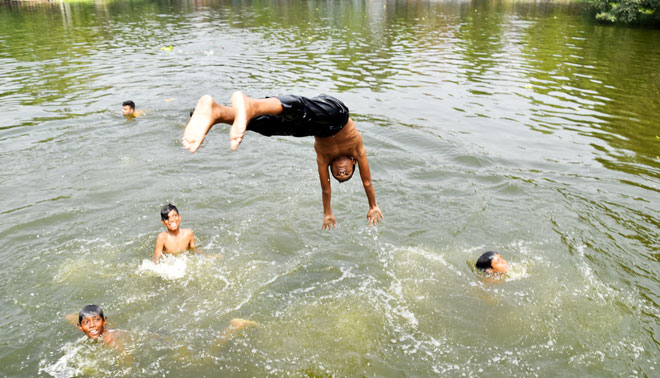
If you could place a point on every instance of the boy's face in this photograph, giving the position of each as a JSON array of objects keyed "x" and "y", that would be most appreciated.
[
  {"x": 92, "y": 326},
  {"x": 127, "y": 110},
  {"x": 173, "y": 221},
  {"x": 342, "y": 167},
  {"x": 498, "y": 264}
]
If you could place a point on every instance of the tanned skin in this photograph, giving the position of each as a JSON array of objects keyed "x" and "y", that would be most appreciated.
[
  {"x": 339, "y": 152},
  {"x": 176, "y": 239}
]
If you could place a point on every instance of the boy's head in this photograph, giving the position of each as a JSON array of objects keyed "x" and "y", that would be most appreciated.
[
  {"x": 492, "y": 262},
  {"x": 342, "y": 168},
  {"x": 127, "y": 107},
  {"x": 91, "y": 321},
  {"x": 170, "y": 217}
]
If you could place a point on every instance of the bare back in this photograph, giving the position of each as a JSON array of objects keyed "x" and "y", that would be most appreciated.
[{"x": 347, "y": 142}]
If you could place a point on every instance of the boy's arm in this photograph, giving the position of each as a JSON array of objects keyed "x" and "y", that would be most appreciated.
[
  {"x": 192, "y": 244},
  {"x": 329, "y": 220},
  {"x": 160, "y": 242},
  {"x": 374, "y": 215}
]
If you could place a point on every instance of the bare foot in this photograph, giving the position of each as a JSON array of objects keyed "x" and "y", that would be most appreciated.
[
  {"x": 242, "y": 107},
  {"x": 199, "y": 125}
]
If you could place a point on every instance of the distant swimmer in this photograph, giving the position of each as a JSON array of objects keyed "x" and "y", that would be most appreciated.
[
  {"x": 338, "y": 143},
  {"x": 174, "y": 240},
  {"x": 492, "y": 262},
  {"x": 128, "y": 110}
]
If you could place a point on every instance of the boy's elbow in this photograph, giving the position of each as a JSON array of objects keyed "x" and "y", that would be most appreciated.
[{"x": 367, "y": 184}]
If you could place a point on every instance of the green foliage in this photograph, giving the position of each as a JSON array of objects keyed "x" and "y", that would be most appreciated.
[{"x": 627, "y": 11}]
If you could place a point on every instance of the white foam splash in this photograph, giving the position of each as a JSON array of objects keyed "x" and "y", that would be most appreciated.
[
  {"x": 62, "y": 367},
  {"x": 169, "y": 267},
  {"x": 516, "y": 272}
]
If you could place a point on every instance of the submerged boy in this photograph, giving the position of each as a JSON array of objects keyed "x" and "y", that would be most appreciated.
[
  {"x": 338, "y": 143},
  {"x": 492, "y": 263},
  {"x": 175, "y": 239}
]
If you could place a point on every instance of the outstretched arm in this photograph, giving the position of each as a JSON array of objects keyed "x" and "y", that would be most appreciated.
[
  {"x": 374, "y": 215},
  {"x": 160, "y": 242},
  {"x": 329, "y": 220}
]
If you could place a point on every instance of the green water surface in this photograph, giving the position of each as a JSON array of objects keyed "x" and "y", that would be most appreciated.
[{"x": 521, "y": 127}]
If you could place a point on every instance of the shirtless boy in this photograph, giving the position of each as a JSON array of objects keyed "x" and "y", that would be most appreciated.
[
  {"x": 175, "y": 240},
  {"x": 338, "y": 143},
  {"x": 91, "y": 322},
  {"x": 128, "y": 110}
]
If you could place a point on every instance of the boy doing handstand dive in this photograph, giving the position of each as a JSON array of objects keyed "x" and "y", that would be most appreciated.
[
  {"x": 338, "y": 143},
  {"x": 175, "y": 239}
]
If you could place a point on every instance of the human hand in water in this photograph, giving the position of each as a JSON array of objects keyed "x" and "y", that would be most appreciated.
[
  {"x": 374, "y": 215},
  {"x": 329, "y": 222}
]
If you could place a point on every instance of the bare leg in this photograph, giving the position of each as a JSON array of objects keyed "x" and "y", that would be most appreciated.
[
  {"x": 245, "y": 108},
  {"x": 207, "y": 113}
]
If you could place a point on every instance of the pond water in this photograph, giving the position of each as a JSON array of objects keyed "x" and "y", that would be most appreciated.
[{"x": 520, "y": 127}]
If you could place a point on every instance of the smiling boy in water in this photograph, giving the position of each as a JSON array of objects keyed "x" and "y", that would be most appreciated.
[
  {"x": 91, "y": 322},
  {"x": 175, "y": 239},
  {"x": 338, "y": 143}
]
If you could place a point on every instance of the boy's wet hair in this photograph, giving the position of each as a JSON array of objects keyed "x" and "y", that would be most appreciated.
[
  {"x": 90, "y": 310},
  {"x": 129, "y": 103},
  {"x": 165, "y": 211},
  {"x": 484, "y": 261}
]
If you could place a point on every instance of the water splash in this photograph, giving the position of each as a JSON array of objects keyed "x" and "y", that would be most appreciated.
[{"x": 169, "y": 267}]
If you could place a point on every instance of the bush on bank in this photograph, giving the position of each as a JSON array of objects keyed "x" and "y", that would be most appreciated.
[{"x": 628, "y": 11}]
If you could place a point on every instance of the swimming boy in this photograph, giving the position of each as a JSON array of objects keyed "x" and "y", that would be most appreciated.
[
  {"x": 338, "y": 143},
  {"x": 91, "y": 322},
  {"x": 492, "y": 262},
  {"x": 174, "y": 240},
  {"x": 128, "y": 110}
]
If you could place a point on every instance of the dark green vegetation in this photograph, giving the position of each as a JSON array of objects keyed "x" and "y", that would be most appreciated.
[{"x": 628, "y": 11}]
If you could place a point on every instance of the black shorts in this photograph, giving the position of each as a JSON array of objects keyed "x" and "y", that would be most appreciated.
[{"x": 320, "y": 116}]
